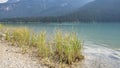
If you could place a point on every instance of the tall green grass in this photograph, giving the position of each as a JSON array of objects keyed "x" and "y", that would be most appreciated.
[
  {"x": 33, "y": 40},
  {"x": 43, "y": 50},
  {"x": 8, "y": 36},
  {"x": 66, "y": 48},
  {"x": 19, "y": 37},
  {"x": 1, "y": 26},
  {"x": 58, "y": 40}
]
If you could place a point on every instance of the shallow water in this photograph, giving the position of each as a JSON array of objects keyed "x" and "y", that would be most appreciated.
[
  {"x": 103, "y": 34},
  {"x": 100, "y": 57}
]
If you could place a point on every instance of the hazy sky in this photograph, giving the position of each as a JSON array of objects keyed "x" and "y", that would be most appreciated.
[{"x": 3, "y": 1}]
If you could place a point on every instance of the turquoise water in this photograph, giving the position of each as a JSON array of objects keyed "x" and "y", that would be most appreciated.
[{"x": 103, "y": 34}]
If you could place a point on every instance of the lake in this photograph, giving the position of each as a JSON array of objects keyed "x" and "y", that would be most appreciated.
[{"x": 102, "y": 34}]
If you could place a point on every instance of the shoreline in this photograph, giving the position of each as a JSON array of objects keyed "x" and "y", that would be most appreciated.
[
  {"x": 56, "y": 54},
  {"x": 95, "y": 57}
]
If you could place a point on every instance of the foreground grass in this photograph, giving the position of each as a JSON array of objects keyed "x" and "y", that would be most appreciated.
[
  {"x": 68, "y": 48},
  {"x": 65, "y": 48},
  {"x": 43, "y": 49}
]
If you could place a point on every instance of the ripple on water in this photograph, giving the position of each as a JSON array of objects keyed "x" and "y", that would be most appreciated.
[{"x": 100, "y": 57}]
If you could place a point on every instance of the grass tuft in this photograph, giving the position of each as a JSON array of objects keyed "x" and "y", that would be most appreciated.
[
  {"x": 43, "y": 50},
  {"x": 19, "y": 37},
  {"x": 33, "y": 40},
  {"x": 1, "y": 26},
  {"x": 65, "y": 48},
  {"x": 68, "y": 48}
]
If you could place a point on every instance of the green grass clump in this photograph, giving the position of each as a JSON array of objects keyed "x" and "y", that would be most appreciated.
[
  {"x": 68, "y": 48},
  {"x": 43, "y": 50},
  {"x": 64, "y": 48},
  {"x": 1, "y": 26},
  {"x": 76, "y": 47},
  {"x": 33, "y": 40},
  {"x": 2, "y": 29},
  {"x": 21, "y": 36},
  {"x": 59, "y": 45},
  {"x": 8, "y": 36}
]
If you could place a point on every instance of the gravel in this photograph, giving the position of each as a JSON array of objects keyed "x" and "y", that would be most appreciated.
[{"x": 10, "y": 57}]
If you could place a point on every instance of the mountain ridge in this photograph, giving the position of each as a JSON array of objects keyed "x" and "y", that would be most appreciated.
[
  {"x": 96, "y": 11},
  {"x": 28, "y": 8}
]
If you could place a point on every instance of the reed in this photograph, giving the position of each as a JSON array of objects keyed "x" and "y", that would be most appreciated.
[
  {"x": 68, "y": 48},
  {"x": 58, "y": 40},
  {"x": 1, "y": 26},
  {"x": 65, "y": 48},
  {"x": 8, "y": 36},
  {"x": 43, "y": 50},
  {"x": 21, "y": 36},
  {"x": 2, "y": 29},
  {"x": 33, "y": 40},
  {"x": 76, "y": 47},
  {"x": 1, "y": 32}
]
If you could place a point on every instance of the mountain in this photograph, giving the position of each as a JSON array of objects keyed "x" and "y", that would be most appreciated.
[
  {"x": 99, "y": 10},
  {"x": 39, "y": 8},
  {"x": 95, "y": 11}
]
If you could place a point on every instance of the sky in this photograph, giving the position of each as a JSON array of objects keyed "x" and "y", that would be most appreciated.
[
  {"x": 3, "y": 1},
  {"x": 7, "y": 1}
]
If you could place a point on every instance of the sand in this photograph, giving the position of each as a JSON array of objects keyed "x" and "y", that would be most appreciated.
[{"x": 11, "y": 57}]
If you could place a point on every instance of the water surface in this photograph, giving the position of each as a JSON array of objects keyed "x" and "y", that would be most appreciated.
[{"x": 102, "y": 34}]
